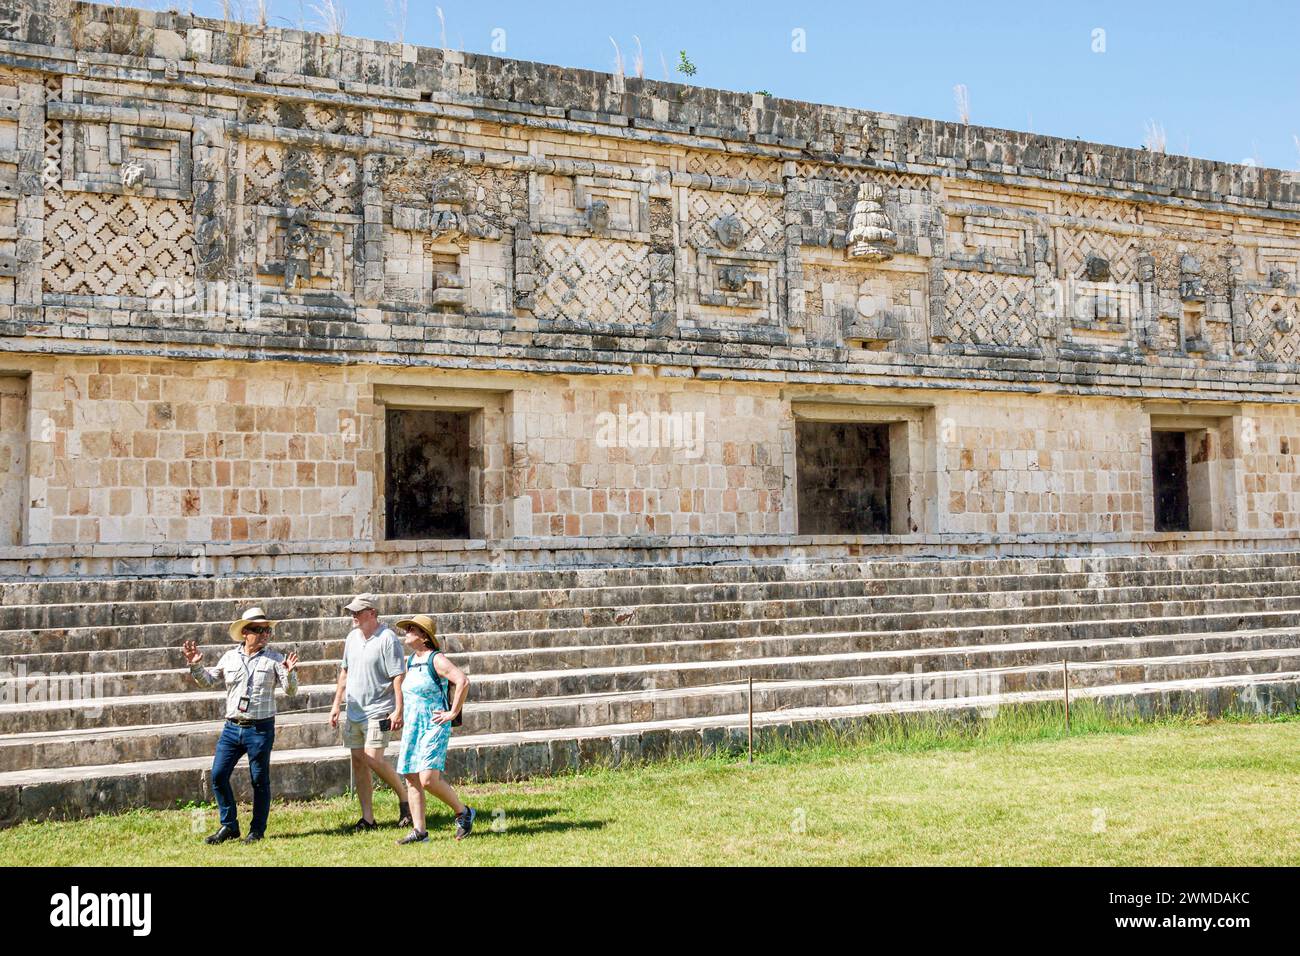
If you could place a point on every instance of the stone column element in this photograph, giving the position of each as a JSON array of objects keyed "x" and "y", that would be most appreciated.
[
  {"x": 213, "y": 196},
  {"x": 29, "y": 247},
  {"x": 370, "y": 268}
]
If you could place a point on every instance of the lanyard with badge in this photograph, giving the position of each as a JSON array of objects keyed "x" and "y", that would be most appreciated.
[{"x": 246, "y": 701}]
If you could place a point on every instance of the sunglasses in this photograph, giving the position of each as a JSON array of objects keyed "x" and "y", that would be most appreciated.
[{"x": 263, "y": 629}]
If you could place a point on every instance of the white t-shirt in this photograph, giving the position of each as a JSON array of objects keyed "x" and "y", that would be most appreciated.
[{"x": 371, "y": 666}]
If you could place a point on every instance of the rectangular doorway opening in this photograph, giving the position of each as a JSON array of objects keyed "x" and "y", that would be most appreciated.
[
  {"x": 843, "y": 477},
  {"x": 431, "y": 463},
  {"x": 1169, "y": 481}
]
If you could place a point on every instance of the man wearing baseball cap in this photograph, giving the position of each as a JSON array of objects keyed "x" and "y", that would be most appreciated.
[
  {"x": 370, "y": 678},
  {"x": 250, "y": 673}
]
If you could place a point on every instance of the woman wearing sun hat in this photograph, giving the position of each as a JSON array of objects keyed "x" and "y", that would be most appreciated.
[{"x": 429, "y": 706}]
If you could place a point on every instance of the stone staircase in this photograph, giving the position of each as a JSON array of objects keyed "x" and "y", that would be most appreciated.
[{"x": 573, "y": 666}]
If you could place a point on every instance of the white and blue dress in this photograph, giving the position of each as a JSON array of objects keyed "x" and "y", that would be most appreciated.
[{"x": 424, "y": 693}]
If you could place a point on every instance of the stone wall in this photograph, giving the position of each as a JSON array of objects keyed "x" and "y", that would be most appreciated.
[{"x": 226, "y": 250}]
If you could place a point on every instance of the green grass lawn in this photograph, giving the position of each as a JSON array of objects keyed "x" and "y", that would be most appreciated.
[{"x": 1013, "y": 790}]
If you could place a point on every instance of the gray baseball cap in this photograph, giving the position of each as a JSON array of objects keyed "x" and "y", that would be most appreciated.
[{"x": 362, "y": 602}]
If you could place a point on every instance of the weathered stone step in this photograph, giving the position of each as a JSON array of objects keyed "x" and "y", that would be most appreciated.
[
  {"x": 39, "y": 604},
  {"x": 561, "y": 625},
  {"x": 1148, "y": 659},
  {"x": 809, "y": 582},
  {"x": 693, "y": 672},
  {"x": 320, "y": 658},
  {"x": 719, "y": 663},
  {"x": 64, "y": 792},
  {"x": 1051, "y": 615},
  {"x": 306, "y": 636},
  {"x": 183, "y": 707}
]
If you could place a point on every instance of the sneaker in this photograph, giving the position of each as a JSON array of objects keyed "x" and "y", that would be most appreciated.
[
  {"x": 415, "y": 836},
  {"x": 222, "y": 835},
  {"x": 404, "y": 817},
  {"x": 252, "y": 838},
  {"x": 362, "y": 826},
  {"x": 465, "y": 822}
]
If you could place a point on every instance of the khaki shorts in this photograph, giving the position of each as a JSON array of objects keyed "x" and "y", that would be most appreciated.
[{"x": 364, "y": 733}]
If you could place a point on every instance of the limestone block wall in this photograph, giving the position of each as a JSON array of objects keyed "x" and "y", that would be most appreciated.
[
  {"x": 1062, "y": 466},
  {"x": 152, "y": 451},
  {"x": 247, "y": 453},
  {"x": 1270, "y": 492},
  {"x": 13, "y": 459},
  {"x": 226, "y": 251},
  {"x": 653, "y": 456}
]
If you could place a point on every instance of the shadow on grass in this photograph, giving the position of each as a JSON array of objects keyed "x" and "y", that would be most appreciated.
[{"x": 535, "y": 820}]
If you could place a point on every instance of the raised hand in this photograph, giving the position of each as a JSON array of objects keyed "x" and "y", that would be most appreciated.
[
  {"x": 191, "y": 651},
  {"x": 291, "y": 661}
]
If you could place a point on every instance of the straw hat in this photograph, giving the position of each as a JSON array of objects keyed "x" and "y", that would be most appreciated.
[
  {"x": 254, "y": 615},
  {"x": 424, "y": 623}
]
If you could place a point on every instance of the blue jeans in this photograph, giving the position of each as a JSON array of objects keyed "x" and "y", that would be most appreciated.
[{"x": 234, "y": 742}]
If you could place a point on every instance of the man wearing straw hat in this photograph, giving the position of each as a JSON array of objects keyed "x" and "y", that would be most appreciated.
[{"x": 250, "y": 673}]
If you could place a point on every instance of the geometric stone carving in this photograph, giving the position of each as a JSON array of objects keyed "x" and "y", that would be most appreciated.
[
  {"x": 754, "y": 223},
  {"x": 988, "y": 241},
  {"x": 290, "y": 177},
  {"x": 98, "y": 244},
  {"x": 118, "y": 157},
  {"x": 990, "y": 309},
  {"x": 1191, "y": 288},
  {"x": 1272, "y": 328},
  {"x": 592, "y": 205},
  {"x": 735, "y": 281},
  {"x": 318, "y": 117},
  {"x": 887, "y": 305},
  {"x": 304, "y": 253},
  {"x": 733, "y": 167},
  {"x": 1075, "y": 248},
  {"x": 52, "y": 139},
  {"x": 592, "y": 280}
]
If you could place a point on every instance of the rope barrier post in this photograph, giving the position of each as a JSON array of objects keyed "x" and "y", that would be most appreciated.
[
  {"x": 1065, "y": 688},
  {"x": 751, "y": 719}
]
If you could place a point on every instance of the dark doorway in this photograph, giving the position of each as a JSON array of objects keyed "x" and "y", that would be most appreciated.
[
  {"x": 427, "y": 484},
  {"x": 843, "y": 475},
  {"x": 1169, "y": 476}
]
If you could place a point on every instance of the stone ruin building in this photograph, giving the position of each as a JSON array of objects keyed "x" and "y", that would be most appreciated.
[{"x": 572, "y": 358}]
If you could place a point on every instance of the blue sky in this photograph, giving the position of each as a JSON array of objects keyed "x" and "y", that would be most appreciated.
[{"x": 1222, "y": 80}]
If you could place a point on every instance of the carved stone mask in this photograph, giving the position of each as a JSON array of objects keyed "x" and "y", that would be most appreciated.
[
  {"x": 598, "y": 215},
  {"x": 449, "y": 190},
  {"x": 297, "y": 174},
  {"x": 132, "y": 174},
  {"x": 729, "y": 231},
  {"x": 1096, "y": 268},
  {"x": 733, "y": 278}
]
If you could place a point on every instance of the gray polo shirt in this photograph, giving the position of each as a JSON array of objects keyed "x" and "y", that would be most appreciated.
[{"x": 371, "y": 666}]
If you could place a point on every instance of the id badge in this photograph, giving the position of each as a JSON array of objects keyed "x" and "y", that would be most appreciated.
[{"x": 243, "y": 704}]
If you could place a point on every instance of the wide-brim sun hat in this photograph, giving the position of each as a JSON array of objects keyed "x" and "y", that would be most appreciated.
[
  {"x": 424, "y": 623},
  {"x": 254, "y": 615}
]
